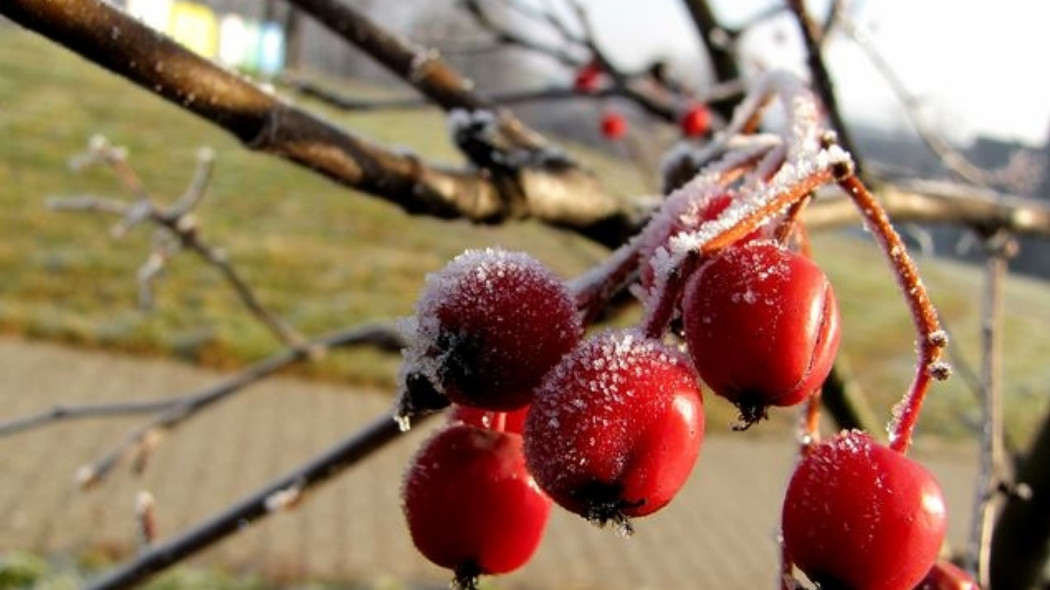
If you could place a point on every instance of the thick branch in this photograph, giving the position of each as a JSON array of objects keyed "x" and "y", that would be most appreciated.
[
  {"x": 417, "y": 65},
  {"x": 939, "y": 203},
  {"x": 560, "y": 195}
]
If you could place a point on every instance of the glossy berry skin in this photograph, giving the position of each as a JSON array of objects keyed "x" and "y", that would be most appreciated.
[
  {"x": 945, "y": 575},
  {"x": 616, "y": 428},
  {"x": 513, "y": 421},
  {"x": 762, "y": 325},
  {"x": 470, "y": 504},
  {"x": 860, "y": 515},
  {"x": 613, "y": 125},
  {"x": 696, "y": 121},
  {"x": 488, "y": 328}
]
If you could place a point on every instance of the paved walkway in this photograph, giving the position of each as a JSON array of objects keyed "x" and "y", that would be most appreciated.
[{"x": 719, "y": 533}]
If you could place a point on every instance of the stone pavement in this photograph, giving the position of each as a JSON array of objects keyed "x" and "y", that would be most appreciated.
[{"x": 719, "y": 533}]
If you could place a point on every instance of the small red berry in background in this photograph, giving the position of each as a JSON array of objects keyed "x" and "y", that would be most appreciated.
[
  {"x": 616, "y": 427},
  {"x": 471, "y": 505},
  {"x": 696, "y": 121},
  {"x": 614, "y": 125},
  {"x": 489, "y": 326},
  {"x": 860, "y": 515},
  {"x": 588, "y": 77},
  {"x": 762, "y": 325},
  {"x": 945, "y": 575}
]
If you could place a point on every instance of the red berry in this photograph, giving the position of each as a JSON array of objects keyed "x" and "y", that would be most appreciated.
[
  {"x": 696, "y": 121},
  {"x": 860, "y": 515},
  {"x": 588, "y": 77},
  {"x": 945, "y": 575},
  {"x": 614, "y": 126},
  {"x": 762, "y": 325},
  {"x": 470, "y": 504},
  {"x": 488, "y": 328},
  {"x": 513, "y": 421},
  {"x": 616, "y": 428}
]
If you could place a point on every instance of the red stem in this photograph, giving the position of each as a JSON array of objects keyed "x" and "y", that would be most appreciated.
[{"x": 931, "y": 339}]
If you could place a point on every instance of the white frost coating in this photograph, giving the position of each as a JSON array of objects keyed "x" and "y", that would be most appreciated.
[
  {"x": 417, "y": 69},
  {"x": 463, "y": 120}
]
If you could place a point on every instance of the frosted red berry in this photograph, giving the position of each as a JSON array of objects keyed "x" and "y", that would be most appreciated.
[
  {"x": 860, "y": 515},
  {"x": 762, "y": 325},
  {"x": 616, "y": 427},
  {"x": 471, "y": 505},
  {"x": 696, "y": 121},
  {"x": 613, "y": 125},
  {"x": 488, "y": 327}
]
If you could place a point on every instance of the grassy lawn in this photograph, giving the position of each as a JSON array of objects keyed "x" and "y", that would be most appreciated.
[{"x": 324, "y": 257}]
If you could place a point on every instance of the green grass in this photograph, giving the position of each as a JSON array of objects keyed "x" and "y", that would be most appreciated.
[{"x": 324, "y": 257}]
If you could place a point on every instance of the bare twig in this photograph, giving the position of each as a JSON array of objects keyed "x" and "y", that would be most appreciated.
[
  {"x": 999, "y": 246},
  {"x": 146, "y": 436},
  {"x": 251, "y": 508},
  {"x": 948, "y": 155},
  {"x": 180, "y": 231}
]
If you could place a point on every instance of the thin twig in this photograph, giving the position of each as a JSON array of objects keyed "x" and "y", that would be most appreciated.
[
  {"x": 181, "y": 231},
  {"x": 999, "y": 246},
  {"x": 254, "y": 507},
  {"x": 949, "y": 156}
]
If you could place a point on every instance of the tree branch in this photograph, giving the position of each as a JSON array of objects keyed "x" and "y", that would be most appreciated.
[{"x": 553, "y": 190}]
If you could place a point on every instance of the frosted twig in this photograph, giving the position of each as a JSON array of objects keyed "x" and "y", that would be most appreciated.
[{"x": 999, "y": 247}]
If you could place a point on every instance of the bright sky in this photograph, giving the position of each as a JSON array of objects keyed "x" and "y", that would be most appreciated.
[{"x": 979, "y": 67}]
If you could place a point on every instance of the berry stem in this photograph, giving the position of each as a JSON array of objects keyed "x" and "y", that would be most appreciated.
[
  {"x": 931, "y": 338},
  {"x": 756, "y": 217},
  {"x": 660, "y": 313},
  {"x": 811, "y": 423}
]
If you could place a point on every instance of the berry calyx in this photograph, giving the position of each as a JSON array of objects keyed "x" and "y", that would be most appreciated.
[
  {"x": 762, "y": 325},
  {"x": 613, "y": 125},
  {"x": 696, "y": 121},
  {"x": 615, "y": 428},
  {"x": 860, "y": 515},
  {"x": 471, "y": 505},
  {"x": 487, "y": 329}
]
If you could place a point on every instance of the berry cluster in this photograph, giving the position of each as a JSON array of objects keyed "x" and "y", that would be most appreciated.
[{"x": 609, "y": 425}]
